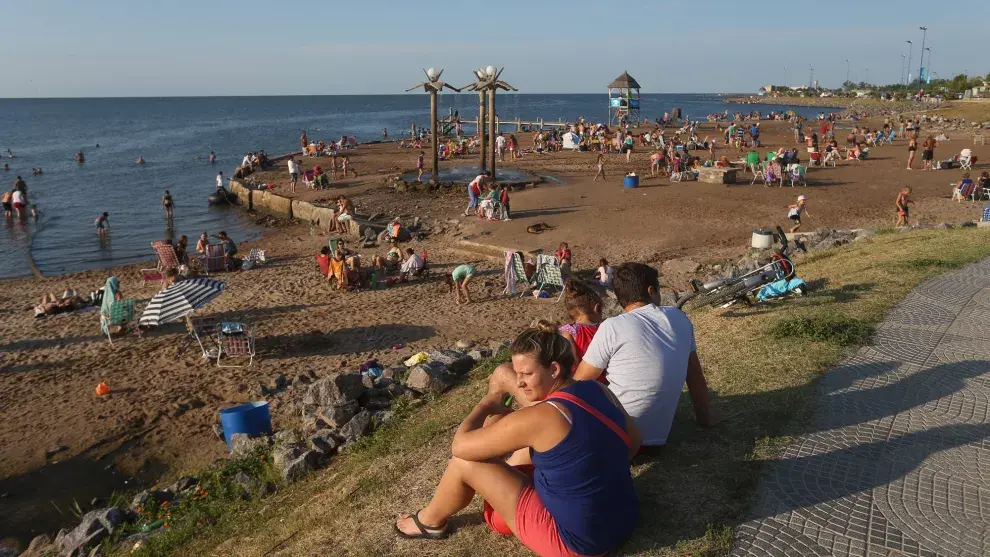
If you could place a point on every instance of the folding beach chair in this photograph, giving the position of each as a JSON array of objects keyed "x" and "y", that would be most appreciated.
[
  {"x": 213, "y": 261},
  {"x": 797, "y": 174},
  {"x": 830, "y": 157},
  {"x": 966, "y": 159},
  {"x": 121, "y": 314},
  {"x": 307, "y": 179},
  {"x": 986, "y": 214},
  {"x": 235, "y": 344},
  {"x": 166, "y": 260},
  {"x": 548, "y": 274},
  {"x": 203, "y": 331},
  {"x": 515, "y": 274}
]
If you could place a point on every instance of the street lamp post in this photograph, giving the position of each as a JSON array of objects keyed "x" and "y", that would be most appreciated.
[
  {"x": 903, "y": 58},
  {"x": 811, "y": 76},
  {"x": 929, "y": 50},
  {"x": 867, "y": 77},
  {"x": 847, "y": 71},
  {"x": 433, "y": 85},
  {"x": 910, "y": 54},
  {"x": 785, "y": 76},
  {"x": 921, "y": 67}
]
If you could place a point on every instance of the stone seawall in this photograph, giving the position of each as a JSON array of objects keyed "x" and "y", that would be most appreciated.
[{"x": 303, "y": 211}]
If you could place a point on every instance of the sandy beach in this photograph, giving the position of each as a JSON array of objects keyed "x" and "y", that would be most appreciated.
[{"x": 158, "y": 420}]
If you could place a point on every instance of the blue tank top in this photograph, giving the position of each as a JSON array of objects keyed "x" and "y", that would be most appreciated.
[{"x": 584, "y": 481}]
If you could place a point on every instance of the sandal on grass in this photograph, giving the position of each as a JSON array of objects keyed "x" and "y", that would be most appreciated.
[{"x": 425, "y": 532}]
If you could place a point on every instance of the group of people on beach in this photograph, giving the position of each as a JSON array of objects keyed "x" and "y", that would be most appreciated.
[{"x": 15, "y": 201}]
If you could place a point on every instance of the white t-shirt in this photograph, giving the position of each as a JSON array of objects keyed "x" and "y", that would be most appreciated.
[
  {"x": 219, "y": 181},
  {"x": 500, "y": 142},
  {"x": 605, "y": 275},
  {"x": 293, "y": 167},
  {"x": 18, "y": 197},
  {"x": 414, "y": 263},
  {"x": 645, "y": 352},
  {"x": 246, "y": 161}
]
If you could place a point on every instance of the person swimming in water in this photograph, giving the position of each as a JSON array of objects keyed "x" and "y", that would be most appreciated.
[
  {"x": 213, "y": 157},
  {"x": 140, "y": 159}
]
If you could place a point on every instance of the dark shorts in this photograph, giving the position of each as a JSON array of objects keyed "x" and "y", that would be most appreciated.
[
  {"x": 903, "y": 211},
  {"x": 293, "y": 176},
  {"x": 927, "y": 155},
  {"x": 795, "y": 218},
  {"x": 8, "y": 207}
]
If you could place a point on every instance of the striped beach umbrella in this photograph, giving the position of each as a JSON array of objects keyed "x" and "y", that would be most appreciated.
[{"x": 179, "y": 300}]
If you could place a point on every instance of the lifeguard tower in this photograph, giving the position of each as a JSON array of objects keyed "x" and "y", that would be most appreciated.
[{"x": 623, "y": 99}]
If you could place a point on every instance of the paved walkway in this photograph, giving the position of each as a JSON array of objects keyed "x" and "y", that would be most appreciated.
[{"x": 897, "y": 459}]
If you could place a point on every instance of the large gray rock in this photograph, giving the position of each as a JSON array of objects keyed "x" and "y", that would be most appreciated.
[
  {"x": 455, "y": 361},
  {"x": 295, "y": 469},
  {"x": 336, "y": 388},
  {"x": 428, "y": 379},
  {"x": 479, "y": 354},
  {"x": 243, "y": 446},
  {"x": 324, "y": 440},
  {"x": 284, "y": 454},
  {"x": 93, "y": 528},
  {"x": 359, "y": 426},
  {"x": 152, "y": 495},
  {"x": 288, "y": 437}
]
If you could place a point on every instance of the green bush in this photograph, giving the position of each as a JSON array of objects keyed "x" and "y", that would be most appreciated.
[{"x": 835, "y": 328}]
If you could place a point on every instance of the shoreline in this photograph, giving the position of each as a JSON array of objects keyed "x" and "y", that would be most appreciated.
[{"x": 818, "y": 102}]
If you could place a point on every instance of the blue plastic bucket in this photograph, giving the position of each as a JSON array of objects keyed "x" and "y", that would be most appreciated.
[
  {"x": 252, "y": 419},
  {"x": 631, "y": 181}
]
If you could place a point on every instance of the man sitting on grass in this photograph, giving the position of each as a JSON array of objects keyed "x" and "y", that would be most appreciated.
[{"x": 649, "y": 352}]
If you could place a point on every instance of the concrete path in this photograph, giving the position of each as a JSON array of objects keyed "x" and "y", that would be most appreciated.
[{"x": 897, "y": 458}]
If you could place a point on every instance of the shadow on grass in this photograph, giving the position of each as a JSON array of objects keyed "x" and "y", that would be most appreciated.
[{"x": 341, "y": 341}]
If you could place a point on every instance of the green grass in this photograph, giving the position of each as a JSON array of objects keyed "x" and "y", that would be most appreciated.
[
  {"x": 827, "y": 327},
  {"x": 762, "y": 364}
]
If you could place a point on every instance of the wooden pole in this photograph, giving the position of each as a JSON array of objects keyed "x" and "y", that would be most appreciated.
[
  {"x": 481, "y": 131},
  {"x": 433, "y": 132},
  {"x": 492, "y": 128}
]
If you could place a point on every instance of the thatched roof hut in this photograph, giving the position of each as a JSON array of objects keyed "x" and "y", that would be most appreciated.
[{"x": 624, "y": 81}]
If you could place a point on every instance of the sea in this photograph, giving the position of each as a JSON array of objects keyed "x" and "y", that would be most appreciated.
[{"x": 175, "y": 136}]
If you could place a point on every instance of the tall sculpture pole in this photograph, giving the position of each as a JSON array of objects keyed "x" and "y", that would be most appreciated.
[
  {"x": 481, "y": 130},
  {"x": 488, "y": 80},
  {"x": 433, "y": 85},
  {"x": 492, "y": 128}
]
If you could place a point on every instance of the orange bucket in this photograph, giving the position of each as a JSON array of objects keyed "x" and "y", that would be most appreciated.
[{"x": 102, "y": 389}]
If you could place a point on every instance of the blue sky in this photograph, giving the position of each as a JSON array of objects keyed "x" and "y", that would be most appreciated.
[{"x": 76, "y": 48}]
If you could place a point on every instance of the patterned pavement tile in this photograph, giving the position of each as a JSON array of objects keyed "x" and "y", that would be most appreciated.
[{"x": 896, "y": 461}]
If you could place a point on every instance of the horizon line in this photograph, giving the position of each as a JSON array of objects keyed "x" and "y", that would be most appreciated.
[{"x": 328, "y": 95}]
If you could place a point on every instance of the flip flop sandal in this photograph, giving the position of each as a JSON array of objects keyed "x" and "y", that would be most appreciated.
[{"x": 423, "y": 534}]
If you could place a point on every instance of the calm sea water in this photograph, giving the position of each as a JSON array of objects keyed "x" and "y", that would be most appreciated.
[{"x": 175, "y": 135}]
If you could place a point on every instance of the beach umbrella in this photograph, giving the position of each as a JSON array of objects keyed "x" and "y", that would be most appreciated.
[{"x": 180, "y": 299}]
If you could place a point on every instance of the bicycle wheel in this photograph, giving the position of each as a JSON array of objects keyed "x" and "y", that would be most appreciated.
[{"x": 719, "y": 296}]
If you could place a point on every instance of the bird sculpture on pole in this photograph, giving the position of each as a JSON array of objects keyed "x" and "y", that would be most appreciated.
[
  {"x": 488, "y": 81},
  {"x": 433, "y": 85}
]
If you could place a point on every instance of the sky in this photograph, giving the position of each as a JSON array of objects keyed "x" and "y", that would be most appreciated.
[{"x": 118, "y": 48}]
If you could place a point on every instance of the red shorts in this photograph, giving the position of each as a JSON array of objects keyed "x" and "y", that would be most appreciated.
[
  {"x": 535, "y": 527},
  {"x": 18, "y": 205}
]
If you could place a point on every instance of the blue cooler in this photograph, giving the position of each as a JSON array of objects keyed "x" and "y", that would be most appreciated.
[
  {"x": 252, "y": 419},
  {"x": 631, "y": 181}
]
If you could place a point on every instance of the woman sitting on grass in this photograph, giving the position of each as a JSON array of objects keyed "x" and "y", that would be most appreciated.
[{"x": 570, "y": 492}]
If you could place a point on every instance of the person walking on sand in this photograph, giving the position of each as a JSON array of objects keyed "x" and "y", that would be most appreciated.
[
  {"x": 912, "y": 149},
  {"x": 419, "y": 166},
  {"x": 168, "y": 204},
  {"x": 345, "y": 166},
  {"x": 293, "y": 174},
  {"x": 795, "y": 210},
  {"x": 903, "y": 200},
  {"x": 601, "y": 168},
  {"x": 102, "y": 223},
  {"x": 384, "y": 134},
  {"x": 500, "y": 147}
]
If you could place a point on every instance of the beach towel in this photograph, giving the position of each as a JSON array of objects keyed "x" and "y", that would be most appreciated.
[
  {"x": 110, "y": 290},
  {"x": 338, "y": 269},
  {"x": 510, "y": 273}
]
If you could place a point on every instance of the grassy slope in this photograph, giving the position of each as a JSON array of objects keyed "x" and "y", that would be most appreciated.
[{"x": 691, "y": 495}]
